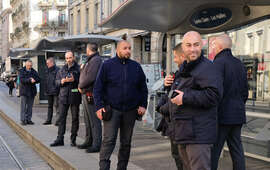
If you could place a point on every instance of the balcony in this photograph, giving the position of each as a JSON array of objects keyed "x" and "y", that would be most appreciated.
[
  {"x": 45, "y": 5},
  {"x": 61, "y": 5},
  {"x": 52, "y": 26}
]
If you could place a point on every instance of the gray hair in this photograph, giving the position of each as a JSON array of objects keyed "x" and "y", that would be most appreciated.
[{"x": 51, "y": 59}]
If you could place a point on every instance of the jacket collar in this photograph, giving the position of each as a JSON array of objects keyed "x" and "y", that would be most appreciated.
[
  {"x": 224, "y": 51},
  {"x": 91, "y": 56},
  {"x": 186, "y": 67},
  {"x": 51, "y": 68},
  {"x": 122, "y": 60},
  {"x": 73, "y": 65}
]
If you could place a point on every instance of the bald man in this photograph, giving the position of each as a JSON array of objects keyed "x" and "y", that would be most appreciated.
[
  {"x": 67, "y": 79},
  {"x": 121, "y": 88},
  {"x": 231, "y": 109},
  {"x": 193, "y": 105}
]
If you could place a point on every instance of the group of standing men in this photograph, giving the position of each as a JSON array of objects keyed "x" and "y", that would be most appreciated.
[
  {"x": 118, "y": 84},
  {"x": 205, "y": 105}
]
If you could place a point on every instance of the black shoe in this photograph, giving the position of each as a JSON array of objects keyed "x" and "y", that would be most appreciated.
[
  {"x": 57, "y": 143},
  {"x": 92, "y": 150},
  {"x": 29, "y": 122},
  {"x": 23, "y": 123},
  {"x": 73, "y": 143},
  {"x": 47, "y": 123},
  {"x": 56, "y": 123},
  {"x": 84, "y": 146}
]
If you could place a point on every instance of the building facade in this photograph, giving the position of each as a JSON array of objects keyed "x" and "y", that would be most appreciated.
[
  {"x": 36, "y": 19},
  {"x": 86, "y": 15}
]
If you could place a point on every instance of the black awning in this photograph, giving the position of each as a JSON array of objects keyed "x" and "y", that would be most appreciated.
[{"x": 180, "y": 16}]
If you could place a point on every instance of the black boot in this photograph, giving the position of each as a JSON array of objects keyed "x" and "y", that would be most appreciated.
[
  {"x": 58, "y": 142},
  {"x": 85, "y": 145},
  {"x": 92, "y": 149},
  {"x": 73, "y": 141},
  {"x": 47, "y": 122}
]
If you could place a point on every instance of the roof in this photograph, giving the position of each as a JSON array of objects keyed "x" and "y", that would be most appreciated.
[
  {"x": 73, "y": 42},
  {"x": 180, "y": 16}
]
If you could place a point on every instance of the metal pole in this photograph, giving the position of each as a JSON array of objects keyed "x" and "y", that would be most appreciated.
[{"x": 168, "y": 57}]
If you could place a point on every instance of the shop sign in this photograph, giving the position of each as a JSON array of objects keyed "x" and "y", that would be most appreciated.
[{"x": 210, "y": 17}]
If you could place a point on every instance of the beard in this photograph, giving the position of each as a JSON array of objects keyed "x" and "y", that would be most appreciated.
[{"x": 123, "y": 55}]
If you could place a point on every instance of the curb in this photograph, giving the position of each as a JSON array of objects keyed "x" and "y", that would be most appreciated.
[{"x": 49, "y": 156}]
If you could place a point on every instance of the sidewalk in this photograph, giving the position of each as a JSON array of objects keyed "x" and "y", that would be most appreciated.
[{"x": 149, "y": 151}]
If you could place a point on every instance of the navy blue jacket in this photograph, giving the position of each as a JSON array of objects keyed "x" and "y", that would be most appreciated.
[
  {"x": 234, "y": 85},
  {"x": 26, "y": 87},
  {"x": 121, "y": 84},
  {"x": 195, "y": 122},
  {"x": 51, "y": 88}
]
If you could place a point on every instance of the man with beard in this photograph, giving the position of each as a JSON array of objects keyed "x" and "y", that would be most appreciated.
[
  {"x": 193, "y": 105},
  {"x": 69, "y": 97},
  {"x": 121, "y": 85}
]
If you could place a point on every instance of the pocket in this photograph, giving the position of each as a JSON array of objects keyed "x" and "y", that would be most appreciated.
[{"x": 184, "y": 129}]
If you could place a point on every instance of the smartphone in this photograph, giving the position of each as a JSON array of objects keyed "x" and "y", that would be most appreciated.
[{"x": 172, "y": 94}]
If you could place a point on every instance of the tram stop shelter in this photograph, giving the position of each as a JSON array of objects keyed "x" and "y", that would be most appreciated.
[{"x": 180, "y": 16}]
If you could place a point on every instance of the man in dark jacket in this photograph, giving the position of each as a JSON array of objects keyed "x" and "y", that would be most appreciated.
[
  {"x": 67, "y": 79},
  {"x": 120, "y": 84},
  {"x": 179, "y": 58},
  {"x": 28, "y": 80},
  {"x": 193, "y": 106},
  {"x": 86, "y": 84},
  {"x": 52, "y": 91},
  {"x": 231, "y": 109}
]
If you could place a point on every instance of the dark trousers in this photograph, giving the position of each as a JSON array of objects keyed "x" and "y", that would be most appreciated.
[
  {"x": 92, "y": 124},
  {"x": 10, "y": 91},
  {"x": 196, "y": 156},
  {"x": 63, "y": 117},
  {"x": 52, "y": 102},
  {"x": 176, "y": 155},
  {"x": 124, "y": 121},
  {"x": 26, "y": 108},
  {"x": 232, "y": 135}
]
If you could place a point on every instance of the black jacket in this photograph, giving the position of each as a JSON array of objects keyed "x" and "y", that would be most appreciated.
[
  {"x": 69, "y": 93},
  {"x": 195, "y": 122},
  {"x": 234, "y": 85},
  {"x": 89, "y": 73},
  {"x": 51, "y": 88},
  {"x": 26, "y": 87},
  {"x": 121, "y": 84}
]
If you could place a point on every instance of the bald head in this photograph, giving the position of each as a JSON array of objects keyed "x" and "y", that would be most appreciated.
[
  {"x": 69, "y": 58},
  {"x": 192, "y": 45},
  {"x": 220, "y": 43},
  {"x": 123, "y": 49},
  {"x": 224, "y": 41}
]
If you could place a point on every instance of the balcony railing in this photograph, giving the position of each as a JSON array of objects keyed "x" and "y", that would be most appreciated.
[{"x": 43, "y": 4}]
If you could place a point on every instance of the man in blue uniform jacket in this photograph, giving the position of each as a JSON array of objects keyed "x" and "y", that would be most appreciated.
[{"x": 120, "y": 84}]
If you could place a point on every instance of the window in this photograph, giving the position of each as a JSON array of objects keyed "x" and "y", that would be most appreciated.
[
  {"x": 61, "y": 34},
  {"x": 79, "y": 22},
  {"x": 62, "y": 18},
  {"x": 45, "y": 17},
  {"x": 86, "y": 19},
  {"x": 96, "y": 16}
]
